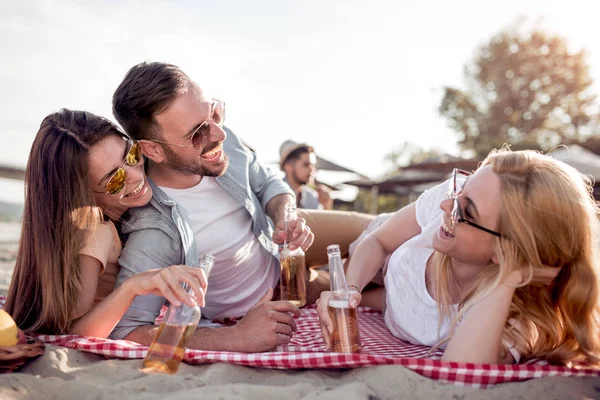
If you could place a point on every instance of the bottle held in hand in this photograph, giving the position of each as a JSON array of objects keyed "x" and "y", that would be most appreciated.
[
  {"x": 178, "y": 326},
  {"x": 293, "y": 265},
  {"x": 345, "y": 337}
]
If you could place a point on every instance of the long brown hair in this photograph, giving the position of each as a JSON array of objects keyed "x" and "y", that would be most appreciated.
[
  {"x": 548, "y": 219},
  {"x": 58, "y": 216}
]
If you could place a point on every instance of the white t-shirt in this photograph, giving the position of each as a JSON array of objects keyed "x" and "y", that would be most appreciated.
[
  {"x": 411, "y": 313},
  {"x": 243, "y": 270}
]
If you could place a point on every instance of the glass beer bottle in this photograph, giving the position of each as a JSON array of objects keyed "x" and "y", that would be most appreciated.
[
  {"x": 293, "y": 265},
  {"x": 345, "y": 337},
  {"x": 178, "y": 326}
]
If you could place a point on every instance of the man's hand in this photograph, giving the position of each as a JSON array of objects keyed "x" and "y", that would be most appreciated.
[
  {"x": 301, "y": 234},
  {"x": 267, "y": 325},
  {"x": 324, "y": 196}
]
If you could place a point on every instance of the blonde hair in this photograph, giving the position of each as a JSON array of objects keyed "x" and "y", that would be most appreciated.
[{"x": 548, "y": 219}]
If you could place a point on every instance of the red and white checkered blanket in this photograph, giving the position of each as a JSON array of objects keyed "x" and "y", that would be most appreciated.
[{"x": 306, "y": 350}]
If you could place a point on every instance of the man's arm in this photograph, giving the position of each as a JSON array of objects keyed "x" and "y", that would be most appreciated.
[
  {"x": 301, "y": 233},
  {"x": 146, "y": 249},
  {"x": 266, "y": 325},
  {"x": 214, "y": 339},
  {"x": 276, "y": 207},
  {"x": 264, "y": 183}
]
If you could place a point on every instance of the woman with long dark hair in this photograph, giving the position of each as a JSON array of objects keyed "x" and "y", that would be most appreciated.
[{"x": 82, "y": 175}]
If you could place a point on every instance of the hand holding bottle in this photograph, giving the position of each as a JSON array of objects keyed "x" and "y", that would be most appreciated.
[
  {"x": 301, "y": 235},
  {"x": 179, "y": 322},
  {"x": 337, "y": 308},
  {"x": 166, "y": 282},
  {"x": 323, "y": 313},
  {"x": 293, "y": 274}
]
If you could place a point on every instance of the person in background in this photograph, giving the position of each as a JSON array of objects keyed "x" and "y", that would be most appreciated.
[{"x": 299, "y": 163}]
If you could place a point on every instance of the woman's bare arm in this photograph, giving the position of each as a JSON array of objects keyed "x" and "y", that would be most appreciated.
[
  {"x": 99, "y": 321},
  {"x": 371, "y": 252},
  {"x": 477, "y": 339}
]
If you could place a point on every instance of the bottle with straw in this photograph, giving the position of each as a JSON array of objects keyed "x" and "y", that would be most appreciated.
[{"x": 293, "y": 264}]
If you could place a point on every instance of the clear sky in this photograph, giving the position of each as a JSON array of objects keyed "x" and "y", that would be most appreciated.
[{"x": 352, "y": 78}]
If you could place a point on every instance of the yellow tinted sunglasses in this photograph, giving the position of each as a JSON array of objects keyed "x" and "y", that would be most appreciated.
[{"x": 116, "y": 182}]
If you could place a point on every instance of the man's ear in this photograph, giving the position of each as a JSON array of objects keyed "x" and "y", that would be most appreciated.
[
  {"x": 287, "y": 168},
  {"x": 152, "y": 150}
]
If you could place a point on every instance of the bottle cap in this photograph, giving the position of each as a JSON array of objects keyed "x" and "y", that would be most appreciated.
[
  {"x": 333, "y": 249},
  {"x": 206, "y": 263}
]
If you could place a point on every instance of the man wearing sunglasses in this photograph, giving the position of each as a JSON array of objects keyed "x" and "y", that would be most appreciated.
[{"x": 210, "y": 195}]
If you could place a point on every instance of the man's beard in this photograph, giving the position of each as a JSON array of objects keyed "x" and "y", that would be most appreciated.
[
  {"x": 300, "y": 181},
  {"x": 177, "y": 163}
]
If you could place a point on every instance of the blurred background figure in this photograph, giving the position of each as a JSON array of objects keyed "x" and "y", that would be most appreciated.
[{"x": 299, "y": 163}]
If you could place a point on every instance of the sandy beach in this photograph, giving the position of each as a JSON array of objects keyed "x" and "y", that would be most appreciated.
[{"x": 70, "y": 374}]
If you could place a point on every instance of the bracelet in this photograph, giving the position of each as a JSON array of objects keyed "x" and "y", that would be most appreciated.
[{"x": 355, "y": 287}]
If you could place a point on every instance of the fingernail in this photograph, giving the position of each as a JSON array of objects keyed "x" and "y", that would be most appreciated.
[
  {"x": 177, "y": 303},
  {"x": 194, "y": 302},
  {"x": 330, "y": 329},
  {"x": 353, "y": 303}
]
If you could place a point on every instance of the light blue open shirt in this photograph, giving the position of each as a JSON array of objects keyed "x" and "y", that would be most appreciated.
[{"x": 159, "y": 234}]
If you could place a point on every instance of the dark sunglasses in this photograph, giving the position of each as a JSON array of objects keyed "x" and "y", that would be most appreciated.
[
  {"x": 456, "y": 184},
  {"x": 116, "y": 182},
  {"x": 197, "y": 140}
]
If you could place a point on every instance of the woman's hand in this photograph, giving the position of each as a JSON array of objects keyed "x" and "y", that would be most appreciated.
[
  {"x": 540, "y": 276},
  {"x": 100, "y": 320},
  {"x": 323, "y": 312},
  {"x": 166, "y": 282}
]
